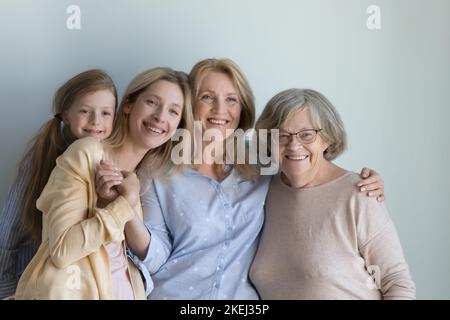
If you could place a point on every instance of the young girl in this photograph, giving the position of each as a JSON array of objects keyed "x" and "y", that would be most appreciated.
[
  {"x": 82, "y": 255},
  {"x": 84, "y": 106}
]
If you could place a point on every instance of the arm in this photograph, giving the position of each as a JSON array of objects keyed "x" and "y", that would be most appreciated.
[
  {"x": 149, "y": 241},
  {"x": 16, "y": 246},
  {"x": 159, "y": 245},
  {"x": 380, "y": 247},
  {"x": 138, "y": 237},
  {"x": 65, "y": 204}
]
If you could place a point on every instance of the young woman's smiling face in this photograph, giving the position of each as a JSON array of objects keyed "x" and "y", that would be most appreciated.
[{"x": 155, "y": 114}]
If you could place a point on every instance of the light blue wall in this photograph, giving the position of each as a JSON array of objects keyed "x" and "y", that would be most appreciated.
[{"x": 391, "y": 86}]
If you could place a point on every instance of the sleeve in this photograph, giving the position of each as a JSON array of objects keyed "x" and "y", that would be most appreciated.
[
  {"x": 16, "y": 246},
  {"x": 160, "y": 240},
  {"x": 380, "y": 247},
  {"x": 65, "y": 205}
]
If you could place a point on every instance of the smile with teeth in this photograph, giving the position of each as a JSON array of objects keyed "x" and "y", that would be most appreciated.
[
  {"x": 297, "y": 158},
  {"x": 92, "y": 131},
  {"x": 153, "y": 129},
  {"x": 218, "y": 121}
]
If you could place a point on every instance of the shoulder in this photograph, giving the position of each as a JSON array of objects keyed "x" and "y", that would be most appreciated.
[
  {"x": 369, "y": 214},
  {"x": 82, "y": 154},
  {"x": 88, "y": 145},
  {"x": 347, "y": 187},
  {"x": 85, "y": 147}
]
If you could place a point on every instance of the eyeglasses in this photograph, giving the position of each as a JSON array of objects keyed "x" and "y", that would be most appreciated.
[{"x": 304, "y": 136}]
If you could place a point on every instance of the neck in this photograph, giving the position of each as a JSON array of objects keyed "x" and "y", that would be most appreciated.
[
  {"x": 325, "y": 172},
  {"x": 210, "y": 170},
  {"x": 214, "y": 151},
  {"x": 128, "y": 156}
]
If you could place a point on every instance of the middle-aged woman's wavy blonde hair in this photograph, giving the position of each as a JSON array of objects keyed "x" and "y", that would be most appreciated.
[
  {"x": 157, "y": 160},
  {"x": 284, "y": 105},
  {"x": 246, "y": 98}
]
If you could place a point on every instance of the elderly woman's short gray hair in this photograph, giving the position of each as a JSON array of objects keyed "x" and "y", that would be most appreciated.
[{"x": 323, "y": 115}]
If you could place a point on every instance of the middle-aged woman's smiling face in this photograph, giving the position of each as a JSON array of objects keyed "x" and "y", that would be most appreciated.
[
  {"x": 156, "y": 113},
  {"x": 217, "y": 104},
  {"x": 301, "y": 160}
]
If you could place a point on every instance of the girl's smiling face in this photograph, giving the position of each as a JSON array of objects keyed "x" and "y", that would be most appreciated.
[{"x": 91, "y": 115}]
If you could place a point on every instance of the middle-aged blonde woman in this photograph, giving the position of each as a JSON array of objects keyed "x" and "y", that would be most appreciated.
[
  {"x": 82, "y": 254},
  {"x": 205, "y": 222},
  {"x": 322, "y": 239}
]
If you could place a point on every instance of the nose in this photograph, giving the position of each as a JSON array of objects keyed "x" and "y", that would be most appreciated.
[
  {"x": 159, "y": 115},
  {"x": 95, "y": 118},
  {"x": 219, "y": 106},
  {"x": 294, "y": 142}
]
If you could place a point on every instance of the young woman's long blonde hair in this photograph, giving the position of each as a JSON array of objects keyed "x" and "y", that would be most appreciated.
[
  {"x": 52, "y": 140},
  {"x": 157, "y": 161}
]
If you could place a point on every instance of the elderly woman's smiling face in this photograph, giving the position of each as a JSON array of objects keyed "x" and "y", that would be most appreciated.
[{"x": 301, "y": 156}]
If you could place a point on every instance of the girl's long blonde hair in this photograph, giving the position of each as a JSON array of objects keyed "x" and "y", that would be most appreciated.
[{"x": 51, "y": 141}]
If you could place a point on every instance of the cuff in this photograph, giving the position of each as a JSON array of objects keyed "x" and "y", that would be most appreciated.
[{"x": 115, "y": 215}]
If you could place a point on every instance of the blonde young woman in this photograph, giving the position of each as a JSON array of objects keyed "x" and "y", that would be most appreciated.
[
  {"x": 202, "y": 226},
  {"x": 82, "y": 255},
  {"x": 322, "y": 239},
  {"x": 84, "y": 106}
]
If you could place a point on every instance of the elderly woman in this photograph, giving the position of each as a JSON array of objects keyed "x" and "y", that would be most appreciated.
[{"x": 322, "y": 239}]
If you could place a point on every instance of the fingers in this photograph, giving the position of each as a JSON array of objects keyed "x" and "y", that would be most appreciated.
[
  {"x": 366, "y": 183},
  {"x": 106, "y": 162},
  {"x": 375, "y": 185},
  {"x": 365, "y": 172},
  {"x": 107, "y": 190},
  {"x": 103, "y": 176},
  {"x": 106, "y": 180},
  {"x": 106, "y": 166},
  {"x": 381, "y": 198},
  {"x": 375, "y": 193},
  {"x": 125, "y": 174},
  {"x": 107, "y": 187}
]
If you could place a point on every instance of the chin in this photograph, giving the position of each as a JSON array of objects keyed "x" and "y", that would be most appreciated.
[{"x": 158, "y": 143}]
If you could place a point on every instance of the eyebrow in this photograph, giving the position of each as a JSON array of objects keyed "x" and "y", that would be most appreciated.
[
  {"x": 176, "y": 105},
  {"x": 160, "y": 99},
  {"x": 89, "y": 106},
  {"x": 212, "y": 91},
  {"x": 155, "y": 95},
  {"x": 302, "y": 129}
]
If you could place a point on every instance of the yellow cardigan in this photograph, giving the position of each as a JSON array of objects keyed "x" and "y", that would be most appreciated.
[{"x": 72, "y": 262}]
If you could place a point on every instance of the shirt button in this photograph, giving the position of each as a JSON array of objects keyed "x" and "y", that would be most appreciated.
[{"x": 216, "y": 285}]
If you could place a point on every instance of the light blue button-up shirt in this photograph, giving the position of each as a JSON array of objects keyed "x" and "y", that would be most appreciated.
[{"x": 204, "y": 235}]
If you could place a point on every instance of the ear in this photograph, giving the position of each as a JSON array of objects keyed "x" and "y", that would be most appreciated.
[
  {"x": 127, "y": 108},
  {"x": 325, "y": 145},
  {"x": 65, "y": 118}
]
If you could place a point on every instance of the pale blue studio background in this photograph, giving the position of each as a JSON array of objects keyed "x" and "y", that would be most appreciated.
[{"x": 391, "y": 86}]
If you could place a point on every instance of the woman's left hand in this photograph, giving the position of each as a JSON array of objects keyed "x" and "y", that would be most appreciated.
[{"x": 372, "y": 184}]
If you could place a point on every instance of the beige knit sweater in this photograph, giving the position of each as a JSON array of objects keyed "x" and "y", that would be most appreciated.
[{"x": 329, "y": 242}]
